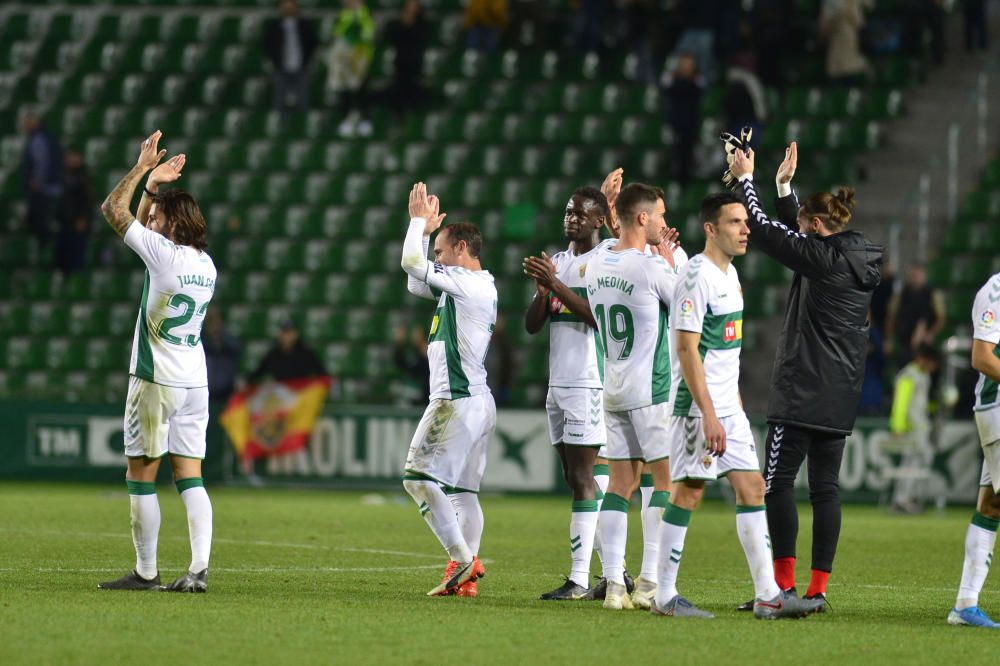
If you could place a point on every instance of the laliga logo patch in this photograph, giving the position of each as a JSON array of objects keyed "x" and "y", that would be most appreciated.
[
  {"x": 988, "y": 318},
  {"x": 687, "y": 306}
]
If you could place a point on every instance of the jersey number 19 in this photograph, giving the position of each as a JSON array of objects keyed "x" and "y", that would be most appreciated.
[{"x": 616, "y": 324}]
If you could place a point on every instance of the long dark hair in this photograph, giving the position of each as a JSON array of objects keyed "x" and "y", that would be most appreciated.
[{"x": 183, "y": 217}]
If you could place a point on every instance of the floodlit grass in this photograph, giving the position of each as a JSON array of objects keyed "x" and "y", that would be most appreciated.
[{"x": 334, "y": 577}]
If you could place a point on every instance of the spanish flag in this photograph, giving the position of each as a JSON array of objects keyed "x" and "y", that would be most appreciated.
[{"x": 274, "y": 418}]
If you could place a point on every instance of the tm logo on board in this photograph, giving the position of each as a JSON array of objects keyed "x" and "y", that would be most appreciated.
[{"x": 57, "y": 440}]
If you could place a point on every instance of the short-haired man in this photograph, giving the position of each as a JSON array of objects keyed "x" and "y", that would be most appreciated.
[
  {"x": 447, "y": 456},
  {"x": 629, "y": 294},
  {"x": 711, "y": 435}
]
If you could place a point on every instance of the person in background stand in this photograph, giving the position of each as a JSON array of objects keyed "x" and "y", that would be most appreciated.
[
  {"x": 42, "y": 172},
  {"x": 76, "y": 210},
  {"x": 222, "y": 354},
  {"x": 289, "y": 43},
  {"x": 289, "y": 358}
]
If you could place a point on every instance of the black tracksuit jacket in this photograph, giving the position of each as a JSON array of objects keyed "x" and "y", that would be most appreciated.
[{"x": 820, "y": 361}]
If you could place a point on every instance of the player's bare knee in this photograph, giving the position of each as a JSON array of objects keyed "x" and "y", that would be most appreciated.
[
  {"x": 750, "y": 492},
  {"x": 581, "y": 482},
  {"x": 688, "y": 494}
]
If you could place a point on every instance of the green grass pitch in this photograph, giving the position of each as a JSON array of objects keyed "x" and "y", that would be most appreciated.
[{"x": 307, "y": 577}]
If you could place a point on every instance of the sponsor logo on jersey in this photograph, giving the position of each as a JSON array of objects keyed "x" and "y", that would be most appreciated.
[
  {"x": 434, "y": 324},
  {"x": 988, "y": 318},
  {"x": 733, "y": 330},
  {"x": 583, "y": 270},
  {"x": 687, "y": 306}
]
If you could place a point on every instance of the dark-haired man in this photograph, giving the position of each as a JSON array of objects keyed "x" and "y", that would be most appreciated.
[
  {"x": 575, "y": 401},
  {"x": 166, "y": 411},
  {"x": 710, "y": 433},
  {"x": 629, "y": 294},
  {"x": 447, "y": 455}
]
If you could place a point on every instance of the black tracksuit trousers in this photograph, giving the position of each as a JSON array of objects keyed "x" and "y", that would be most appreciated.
[{"x": 787, "y": 447}]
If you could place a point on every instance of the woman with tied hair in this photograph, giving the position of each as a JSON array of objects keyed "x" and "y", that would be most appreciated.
[{"x": 820, "y": 360}]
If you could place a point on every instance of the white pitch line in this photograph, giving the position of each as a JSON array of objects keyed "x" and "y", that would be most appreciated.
[
  {"x": 236, "y": 542},
  {"x": 257, "y": 570}
]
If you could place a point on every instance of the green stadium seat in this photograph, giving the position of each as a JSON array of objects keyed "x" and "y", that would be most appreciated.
[
  {"x": 103, "y": 354},
  {"x": 324, "y": 324},
  {"x": 64, "y": 354},
  {"x": 342, "y": 289},
  {"x": 122, "y": 319},
  {"x": 23, "y": 353},
  {"x": 262, "y": 287},
  {"x": 283, "y": 255},
  {"x": 245, "y": 321},
  {"x": 13, "y": 319},
  {"x": 84, "y": 320}
]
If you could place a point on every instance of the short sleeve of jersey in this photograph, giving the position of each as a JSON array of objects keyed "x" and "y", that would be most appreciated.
[
  {"x": 690, "y": 302},
  {"x": 985, "y": 326},
  {"x": 154, "y": 250},
  {"x": 663, "y": 279}
]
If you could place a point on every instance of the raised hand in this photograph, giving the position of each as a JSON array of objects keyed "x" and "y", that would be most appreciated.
[
  {"x": 149, "y": 155},
  {"x": 169, "y": 171},
  {"x": 742, "y": 164},
  {"x": 786, "y": 170},
  {"x": 611, "y": 188},
  {"x": 427, "y": 207}
]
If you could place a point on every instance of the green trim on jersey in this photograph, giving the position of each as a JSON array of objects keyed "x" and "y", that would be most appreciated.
[
  {"x": 713, "y": 331},
  {"x": 683, "y": 400},
  {"x": 144, "y": 353},
  {"x": 988, "y": 394},
  {"x": 661, "y": 359},
  {"x": 447, "y": 332},
  {"x": 599, "y": 349},
  {"x": 570, "y": 317}
]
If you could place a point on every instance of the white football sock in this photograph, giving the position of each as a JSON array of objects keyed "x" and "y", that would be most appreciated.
[
  {"x": 614, "y": 534},
  {"x": 673, "y": 531},
  {"x": 145, "y": 514},
  {"x": 470, "y": 518},
  {"x": 440, "y": 516},
  {"x": 979, "y": 541},
  {"x": 652, "y": 517},
  {"x": 199, "y": 514},
  {"x": 751, "y": 526},
  {"x": 582, "y": 529}
]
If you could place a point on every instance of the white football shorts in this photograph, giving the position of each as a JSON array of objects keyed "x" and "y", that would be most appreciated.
[
  {"x": 451, "y": 441},
  {"x": 164, "y": 419},
  {"x": 639, "y": 434},
  {"x": 690, "y": 458}
]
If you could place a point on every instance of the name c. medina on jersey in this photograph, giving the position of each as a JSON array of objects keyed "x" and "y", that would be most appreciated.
[
  {"x": 197, "y": 280},
  {"x": 611, "y": 282}
]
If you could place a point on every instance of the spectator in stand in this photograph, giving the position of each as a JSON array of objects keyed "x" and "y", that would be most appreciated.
[
  {"x": 409, "y": 353},
  {"x": 591, "y": 24},
  {"x": 500, "y": 366},
  {"x": 910, "y": 423},
  {"x": 289, "y": 358},
  {"x": 485, "y": 21},
  {"x": 873, "y": 385},
  {"x": 745, "y": 100},
  {"x": 350, "y": 59},
  {"x": 222, "y": 357},
  {"x": 701, "y": 20},
  {"x": 408, "y": 36},
  {"x": 771, "y": 39},
  {"x": 290, "y": 42},
  {"x": 682, "y": 89},
  {"x": 641, "y": 17},
  {"x": 76, "y": 210},
  {"x": 840, "y": 23},
  {"x": 916, "y": 315},
  {"x": 976, "y": 27},
  {"x": 882, "y": 296},
  {"x": 42, "y": 172}
]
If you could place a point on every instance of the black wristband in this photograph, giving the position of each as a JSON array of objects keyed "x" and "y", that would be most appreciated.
[{"x": 148, "y": 193}]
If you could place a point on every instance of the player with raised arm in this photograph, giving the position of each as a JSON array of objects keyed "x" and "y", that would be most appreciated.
[
  {"x": 629, "y": 293},
  {"x": 575, "y": 401},
  {"x": 447, "y": 455},
  {"x": 166, "y": 411},
  {"x": 819, "y": 364},
  {"x": 981, "y": 535},
  {"x": 711, "y": 434}
]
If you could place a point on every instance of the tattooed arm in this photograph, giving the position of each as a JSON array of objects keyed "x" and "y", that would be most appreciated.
[{"x": 116, "y": 205}]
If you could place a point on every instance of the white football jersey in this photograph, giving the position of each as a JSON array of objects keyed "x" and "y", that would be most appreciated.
[
  {"x": 629, "y": 294},
  {"x": 985, "y": 327},
  {"x": 179, "y": 284},
  {"x": 463, "y": 322},
  {"x": 709, "y": 302},
  {"x": 576, "y": 359}
]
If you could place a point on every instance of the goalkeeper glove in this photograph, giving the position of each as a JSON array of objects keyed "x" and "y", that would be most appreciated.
[{"x": 732, "y": 144}]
